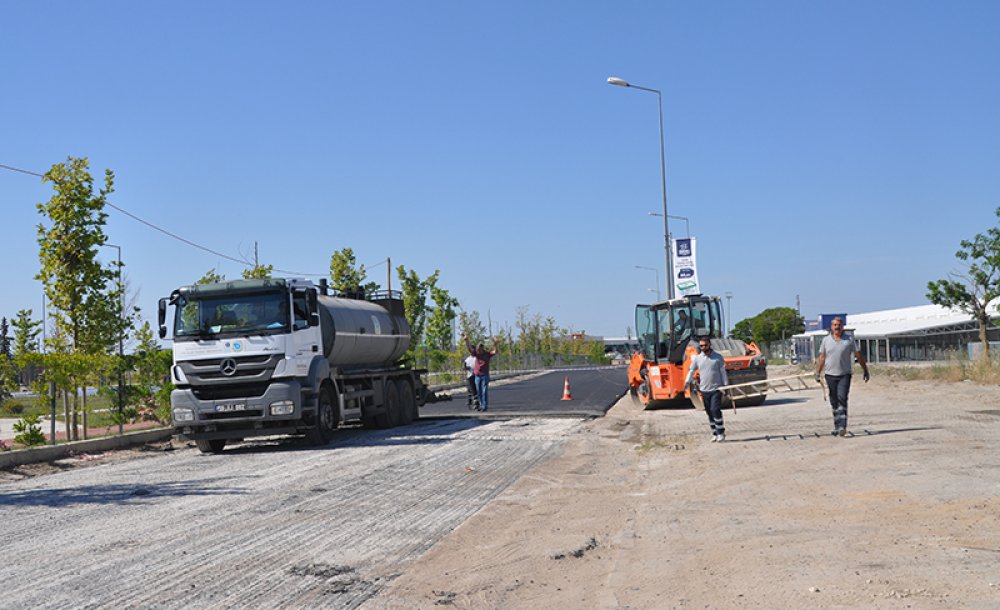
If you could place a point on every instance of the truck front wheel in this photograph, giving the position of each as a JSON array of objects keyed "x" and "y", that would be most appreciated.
[
  {"x": 216, "y": 445},
  {"x": 326, "y": 418}
]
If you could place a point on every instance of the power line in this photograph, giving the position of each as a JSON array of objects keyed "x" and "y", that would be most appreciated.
[{"x": 168, "y": 233}]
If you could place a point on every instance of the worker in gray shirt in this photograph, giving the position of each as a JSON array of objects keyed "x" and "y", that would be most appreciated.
[
  {"x": 835, "y": 361},
  {"x": 711, "y": 367}
]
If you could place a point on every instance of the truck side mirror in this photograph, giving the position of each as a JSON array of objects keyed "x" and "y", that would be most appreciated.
[
  {"x": 162, "y": 317},
  {"x": 313, "y": 303}
]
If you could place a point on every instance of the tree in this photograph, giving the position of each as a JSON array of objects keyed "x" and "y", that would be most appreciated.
[
  {"x": 5, "y": 347},
  {"x": 414, "y": 305},
  {"x": 86, "y": 314},
  {"x": 346, "y": 275},
  {"x": 439, "y": 322},
  {"x": 743, "y": 331},
  {"x": 770, "y": 325},
  {"x": 776, "y": 323},
  {"x": 258, "y": 272},
  {"x": 26, "y": 332},
  {"x": 973, "y": 290},
  {"x": 470, "y": 325},
  {"x": 211, "y": 276}
]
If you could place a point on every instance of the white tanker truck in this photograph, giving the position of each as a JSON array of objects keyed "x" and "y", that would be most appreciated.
[{"x": 282, "y": 356}]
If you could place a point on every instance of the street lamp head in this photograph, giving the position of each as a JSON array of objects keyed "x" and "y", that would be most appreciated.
[{"x": 614, "y": 80}]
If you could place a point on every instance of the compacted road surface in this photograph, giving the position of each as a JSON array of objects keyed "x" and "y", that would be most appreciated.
[{"x": 267, "y": 524}]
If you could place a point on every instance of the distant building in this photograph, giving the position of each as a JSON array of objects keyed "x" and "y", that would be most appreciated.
[{"x": 924, "y": 332}]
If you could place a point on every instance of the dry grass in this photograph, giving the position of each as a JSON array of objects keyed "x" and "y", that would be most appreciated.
[{"x": 986, "y": 372}]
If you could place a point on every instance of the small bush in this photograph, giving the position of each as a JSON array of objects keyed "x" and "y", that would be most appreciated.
[{"x": 29, "y": 431}]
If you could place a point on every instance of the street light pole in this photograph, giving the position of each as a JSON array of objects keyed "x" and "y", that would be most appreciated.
[
  {"x": 687, "y": 225},
  {"x": 121, "y": 344},
  {"x": 656, "y": 274},
  {"x": 729, "y": 311},
  {"x": 663, "y": 180}
]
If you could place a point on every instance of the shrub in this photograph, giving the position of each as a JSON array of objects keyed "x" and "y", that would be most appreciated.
[{"x": 29, "y": 432}]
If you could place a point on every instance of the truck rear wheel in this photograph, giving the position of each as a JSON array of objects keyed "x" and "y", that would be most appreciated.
[
  {"x": 407, "y": 402},
  {"x": 389, "y": 417},
  {"x": 215, "y": 445},
  {"x": 326, "y": 418}
]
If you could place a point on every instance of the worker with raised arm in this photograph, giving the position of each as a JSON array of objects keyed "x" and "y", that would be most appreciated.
[
  {"x": 835, "y": 355},
  {"x": 481, "y": 370},
  {"x": 711, "y": 367}
]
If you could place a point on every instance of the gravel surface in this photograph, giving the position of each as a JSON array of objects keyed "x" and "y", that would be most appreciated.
[{"x": 264, "y": 525}]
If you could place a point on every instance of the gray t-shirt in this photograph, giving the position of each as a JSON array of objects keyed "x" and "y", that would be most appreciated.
[
  {"x": 839, "y": 355},
  {"x": 713, "y": 372}
]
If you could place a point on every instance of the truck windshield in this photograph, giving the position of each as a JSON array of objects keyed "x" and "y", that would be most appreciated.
[{"x": 240, "y": 314}]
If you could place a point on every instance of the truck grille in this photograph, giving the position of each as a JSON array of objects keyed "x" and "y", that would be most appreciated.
[
  {"x": 234, "y": 370},
  {"x": 229, "y": 391}
]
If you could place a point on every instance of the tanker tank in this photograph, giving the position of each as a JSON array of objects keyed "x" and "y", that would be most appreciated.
[{"x": 363, "y": 334}]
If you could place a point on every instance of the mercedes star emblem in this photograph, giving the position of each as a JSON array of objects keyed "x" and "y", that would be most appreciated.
[{"x": 228, "y": 367}]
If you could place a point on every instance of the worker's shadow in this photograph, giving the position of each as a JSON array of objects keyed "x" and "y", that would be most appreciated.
[{"x": 857, "y": 433}]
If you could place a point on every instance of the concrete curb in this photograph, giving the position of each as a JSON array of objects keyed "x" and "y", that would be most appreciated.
[{"x": 50, "y": 453}]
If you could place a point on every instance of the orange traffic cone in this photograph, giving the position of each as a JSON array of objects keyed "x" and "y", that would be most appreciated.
[{"x": 566, "y": 394}]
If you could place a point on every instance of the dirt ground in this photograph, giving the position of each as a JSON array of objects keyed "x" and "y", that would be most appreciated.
[{"x": 642, "y": 511}]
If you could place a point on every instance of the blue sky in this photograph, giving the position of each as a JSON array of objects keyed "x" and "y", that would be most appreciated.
[{"x": 834, "y": 152}]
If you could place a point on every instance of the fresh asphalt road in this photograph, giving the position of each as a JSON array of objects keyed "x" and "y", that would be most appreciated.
[{"x": 594, "y": 390}]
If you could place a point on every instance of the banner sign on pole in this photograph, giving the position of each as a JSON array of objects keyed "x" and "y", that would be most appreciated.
[{"x": 685, "y": 267}]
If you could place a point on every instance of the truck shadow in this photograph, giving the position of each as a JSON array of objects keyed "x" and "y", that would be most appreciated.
[
  {"x": 421, "y": 432},
  {"x": 124, "y": 494}
]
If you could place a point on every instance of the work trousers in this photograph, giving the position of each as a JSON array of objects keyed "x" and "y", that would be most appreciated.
[
  {"x": 483, "y": 390},
  {"x": 840, "y": 387},
  {"x": 713, "y": 407},
  {"x": 470, "y": 385}
]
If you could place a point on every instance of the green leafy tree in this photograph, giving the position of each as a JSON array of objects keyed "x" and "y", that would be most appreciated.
[
  {"x": 26, "y": 333},
  {"x": 258, "y": 272},
  {"x": 440, "y": 335},
  {"x": 769, "y": 325},
  {"x": 346, "y": 275},
  {"x": 415, "y": 305},
  {"x": 743, "y": 330},
  {"x": 470, "y": 325},
  {"x": 152, "y": 375},
  {"x": 776, "y": 323},
  {"x": 975, "y": 288},
  {"x": 73, "y": 277},
  {"x": 75, "y": 281},
  {"x": 212, "y": 276},
  {"x": 8, "y": 378}
]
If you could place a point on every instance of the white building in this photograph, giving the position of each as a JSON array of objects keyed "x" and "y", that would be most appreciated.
[{"x": 924, "y": 332}]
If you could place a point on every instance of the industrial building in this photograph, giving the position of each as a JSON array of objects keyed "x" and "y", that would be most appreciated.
[{"x": 924, "y": 332}]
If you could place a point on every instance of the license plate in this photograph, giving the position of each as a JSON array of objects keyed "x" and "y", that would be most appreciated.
[{"x": 230, "y": 406}]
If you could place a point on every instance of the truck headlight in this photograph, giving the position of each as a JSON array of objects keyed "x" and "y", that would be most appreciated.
[
  {"x": 282, "y": 407},
  {"x": 183, "y": 415}
]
